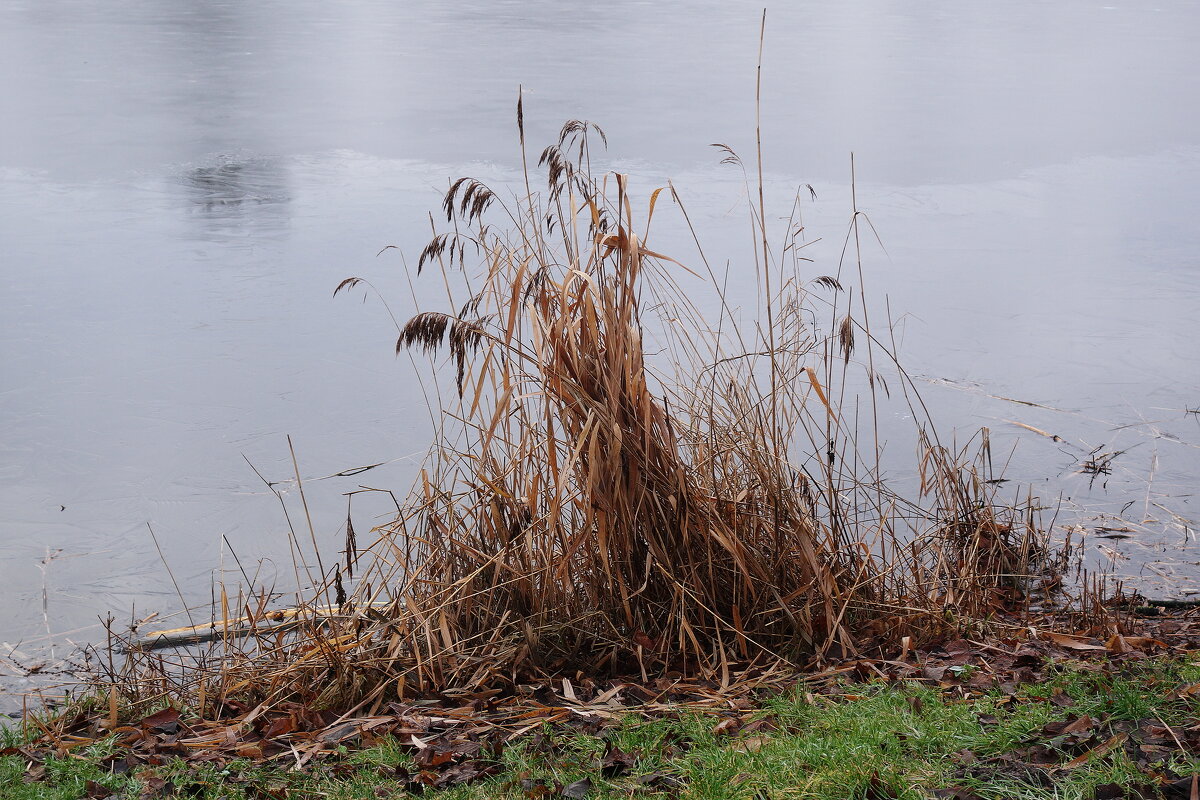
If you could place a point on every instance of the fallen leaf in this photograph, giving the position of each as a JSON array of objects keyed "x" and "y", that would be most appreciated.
[
  {"x": 661, "y": 779},
  {"x": 154, "y": 787},
  {"x": 464, "y": 773},
  {"x": 578, "y": 790},
  {"x": 1082, "y": 724},
  {"x": 616, "y": 762},
  {"x": 534, "y": 789},
  {"x": 249, "y": 750},
  {"x": 1117, "y": 644},
  {"x": 281, "y": 727},
  {"x": 96, "y": 791},
  {"x": 751, "y": 745},
  {"x": 1098, "y": 751},
  {"x": 430, "y": 758},
  {"x": 1071, "y": 642},
  {"x": 878, "y": 790},
  {"x": 165, "y": 721},
  {"x": 727, "y": 726},
  {"x": 1186, "y": 787},
  {"x": 763, "y": 725},
  {"x": 933, "y": 673},
  {"x": 1144, "y": 642},
  {"x": 340, "y": 733}
]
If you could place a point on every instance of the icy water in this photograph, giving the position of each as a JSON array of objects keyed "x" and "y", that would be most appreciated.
[{"x": 182, "y": 185}]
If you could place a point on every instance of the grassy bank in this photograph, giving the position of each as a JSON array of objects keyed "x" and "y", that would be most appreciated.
[{"x": 1106, "y": 729}]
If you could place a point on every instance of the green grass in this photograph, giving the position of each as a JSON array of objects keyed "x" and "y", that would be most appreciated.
[{"x": 869, "y": 741}]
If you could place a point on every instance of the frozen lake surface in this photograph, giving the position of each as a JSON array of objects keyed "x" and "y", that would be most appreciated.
[{"x": 182, "y": 186}]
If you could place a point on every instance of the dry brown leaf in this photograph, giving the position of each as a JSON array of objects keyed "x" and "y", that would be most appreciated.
[
  {"x": 1144, "y": 642},
  {"x": 1127, "y": 644},
  {"x": 1071, "y": 642},
  {"x": 1117, "y": 644},
  {"x": 727, "y": 726},
  {"x": 1099, "y": 750},
  {"x": 816, "y": 385},
  {"x": 1082, "y": 724},
  {"x": 752, "y": 745}
]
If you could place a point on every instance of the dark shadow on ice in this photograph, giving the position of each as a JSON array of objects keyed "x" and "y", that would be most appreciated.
[{"x": 238, "y": 196}]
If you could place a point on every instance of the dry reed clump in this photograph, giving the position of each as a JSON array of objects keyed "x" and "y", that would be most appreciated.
[{"x": 591, "y": 510}]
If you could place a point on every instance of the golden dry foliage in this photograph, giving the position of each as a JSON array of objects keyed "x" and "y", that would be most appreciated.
[{"x": 584, "y": 512}]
